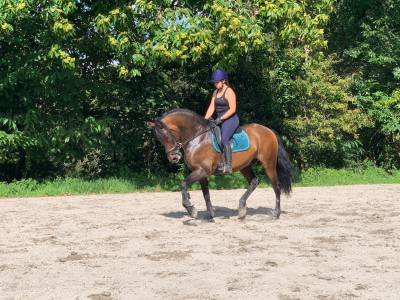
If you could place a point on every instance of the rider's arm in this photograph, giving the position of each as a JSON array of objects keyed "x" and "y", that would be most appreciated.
[
  {"x": 231, "y": 98},
  {"x": 211, "y": 108}
]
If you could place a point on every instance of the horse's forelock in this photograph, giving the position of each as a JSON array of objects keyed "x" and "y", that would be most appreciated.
[{"x": 159, "y": 123}]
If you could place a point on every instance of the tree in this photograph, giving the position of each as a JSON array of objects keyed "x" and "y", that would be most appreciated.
[
  {"x": 365, "y": 36},
  {"x": 78, "y": 79}
]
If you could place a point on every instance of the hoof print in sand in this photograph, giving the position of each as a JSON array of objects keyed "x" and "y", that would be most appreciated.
[
  {"x": 73, "y": 256},
  {"x": 101, "y": 296}
]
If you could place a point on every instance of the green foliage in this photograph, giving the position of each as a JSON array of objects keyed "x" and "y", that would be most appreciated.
[
  {"x": 331, "y": 177},
  {"x": 79, "y": 79},
  {"x": 326, "y": 120},
  {"x": 170, "y": 182},
  {"x": 365, "y": 35},
  {"x": 43, "y": 90}
]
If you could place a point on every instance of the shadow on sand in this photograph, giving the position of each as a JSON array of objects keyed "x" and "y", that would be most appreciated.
[{"x": 222, "y": 212}]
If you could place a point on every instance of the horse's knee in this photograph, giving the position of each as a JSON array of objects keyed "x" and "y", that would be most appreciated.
[
  {"x": 254, "y": 182},
  {"x": 184, "y": 185}
]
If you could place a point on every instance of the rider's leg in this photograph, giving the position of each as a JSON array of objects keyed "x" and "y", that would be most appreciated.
[
  {"x": 227, "y": 158},
  {"x": 227, "y": 130}
]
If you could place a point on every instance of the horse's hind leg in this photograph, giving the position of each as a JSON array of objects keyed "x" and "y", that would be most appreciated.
[
  {"x": 253, "y": 182},
  {"x": 206, "y": 194},
  {"x": 270, "y": 169}
]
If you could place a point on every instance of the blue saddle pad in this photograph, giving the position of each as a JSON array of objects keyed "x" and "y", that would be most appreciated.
[{"x": 239, "y": 142}]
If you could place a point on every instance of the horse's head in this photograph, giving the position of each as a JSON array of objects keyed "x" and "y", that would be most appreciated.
[{"x": 166, "y": 137}]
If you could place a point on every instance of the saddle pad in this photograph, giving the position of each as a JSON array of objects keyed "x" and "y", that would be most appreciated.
[{"x": 239, "y": 142}]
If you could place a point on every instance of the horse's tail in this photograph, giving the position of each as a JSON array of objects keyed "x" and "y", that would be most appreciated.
[{"x": 284, "y": 168}]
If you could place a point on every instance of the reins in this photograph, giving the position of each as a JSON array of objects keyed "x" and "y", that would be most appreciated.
[{"x": 179, "y": 145}]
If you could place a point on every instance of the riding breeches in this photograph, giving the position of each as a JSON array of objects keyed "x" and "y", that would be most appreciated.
[{"x": 228, "y": 128}]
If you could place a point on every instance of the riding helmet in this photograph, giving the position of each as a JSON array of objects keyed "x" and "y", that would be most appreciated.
[{"x": 219, "y": 75}]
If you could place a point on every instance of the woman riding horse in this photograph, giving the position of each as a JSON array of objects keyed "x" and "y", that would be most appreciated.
[
  {"x": 223, "y": 102},
  {"x": 182, "y": 129}
]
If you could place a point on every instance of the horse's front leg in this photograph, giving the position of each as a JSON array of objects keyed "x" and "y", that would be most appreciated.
[
  {"x": 206, "y": 194},
  {"x": 196, "y": 175}
]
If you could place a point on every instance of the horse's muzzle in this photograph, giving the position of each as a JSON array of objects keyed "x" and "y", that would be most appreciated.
[{"x": 174, "y": 158}]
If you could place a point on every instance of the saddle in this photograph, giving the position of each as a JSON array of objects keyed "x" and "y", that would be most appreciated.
[{"x": 239, "y": 142}]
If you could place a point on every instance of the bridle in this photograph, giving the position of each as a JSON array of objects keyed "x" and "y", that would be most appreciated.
[{"x": 179, "y": 145}]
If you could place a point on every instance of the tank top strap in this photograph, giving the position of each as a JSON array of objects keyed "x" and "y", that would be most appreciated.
[
  {"x": 215, "y": 94},
  {"x": 225, "y": 91}
]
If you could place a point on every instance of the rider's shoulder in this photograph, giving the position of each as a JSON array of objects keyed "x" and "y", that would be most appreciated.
[
  {"x": 214, "y": 95},
  {"x": 230, "y": 91}
]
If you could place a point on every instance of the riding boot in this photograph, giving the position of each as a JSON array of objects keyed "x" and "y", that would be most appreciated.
[
  {"x": 228, "y": 158},
  {"x": 220, "y": 170}
]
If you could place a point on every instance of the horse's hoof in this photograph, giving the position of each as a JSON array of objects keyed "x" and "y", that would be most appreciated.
[
  {"x": 211, "y": 220},
  {"x": 242, "y": 213},
  {"x": 276, "y": 214},
  {"x": 192, "y": 212}
]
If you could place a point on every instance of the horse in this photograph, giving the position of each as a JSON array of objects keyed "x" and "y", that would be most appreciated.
[{"x": 182, "y": 129}]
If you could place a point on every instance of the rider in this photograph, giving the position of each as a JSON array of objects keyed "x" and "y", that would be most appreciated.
[{"x": 223, "y": 102}]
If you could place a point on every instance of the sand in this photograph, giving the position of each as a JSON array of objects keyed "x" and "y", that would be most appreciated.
[{"x": 330, "y": 243}]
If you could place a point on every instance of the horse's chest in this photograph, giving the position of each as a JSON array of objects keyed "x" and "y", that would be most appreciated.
[{"x": 199, "y": 154}]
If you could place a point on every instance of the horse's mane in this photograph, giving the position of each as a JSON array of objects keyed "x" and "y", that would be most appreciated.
[{"x": 195, "y": 117}]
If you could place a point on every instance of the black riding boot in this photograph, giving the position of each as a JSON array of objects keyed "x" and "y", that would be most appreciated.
[{"x": 228, "y": 158}]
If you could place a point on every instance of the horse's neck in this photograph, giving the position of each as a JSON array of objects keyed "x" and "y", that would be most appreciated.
[{"x": 187, "y": 127}]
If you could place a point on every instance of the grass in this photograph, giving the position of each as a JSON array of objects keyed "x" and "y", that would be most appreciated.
[{"x": 171, "y": 182}]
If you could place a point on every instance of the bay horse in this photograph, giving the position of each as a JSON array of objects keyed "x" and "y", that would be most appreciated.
[{"x": 184, "y": 129}]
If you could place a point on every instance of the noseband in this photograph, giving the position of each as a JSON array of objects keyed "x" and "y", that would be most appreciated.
[{"x": 176, "y": 148}]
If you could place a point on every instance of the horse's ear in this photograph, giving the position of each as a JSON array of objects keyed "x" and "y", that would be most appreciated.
[{"x": 151, "y": 124}]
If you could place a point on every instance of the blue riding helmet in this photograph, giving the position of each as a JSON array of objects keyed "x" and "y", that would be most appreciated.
[{"x": 219, "y": 75}]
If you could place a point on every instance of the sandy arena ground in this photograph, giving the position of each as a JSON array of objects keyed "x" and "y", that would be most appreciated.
[{"x": 330, "y": 243}]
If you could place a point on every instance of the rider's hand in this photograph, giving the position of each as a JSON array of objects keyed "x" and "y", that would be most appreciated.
[
  {"x": 218, "y": 121},
  {"x": 211, "y": 122}
]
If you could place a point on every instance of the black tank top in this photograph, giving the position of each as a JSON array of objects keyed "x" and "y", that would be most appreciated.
[{"x": 221, "y": 104}]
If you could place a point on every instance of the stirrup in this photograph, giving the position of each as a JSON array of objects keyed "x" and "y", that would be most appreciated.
[
  {"x": 222, "y": 169},
  {"x": 227, "y": 169},
  {"x": 219, "y": 170}
]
